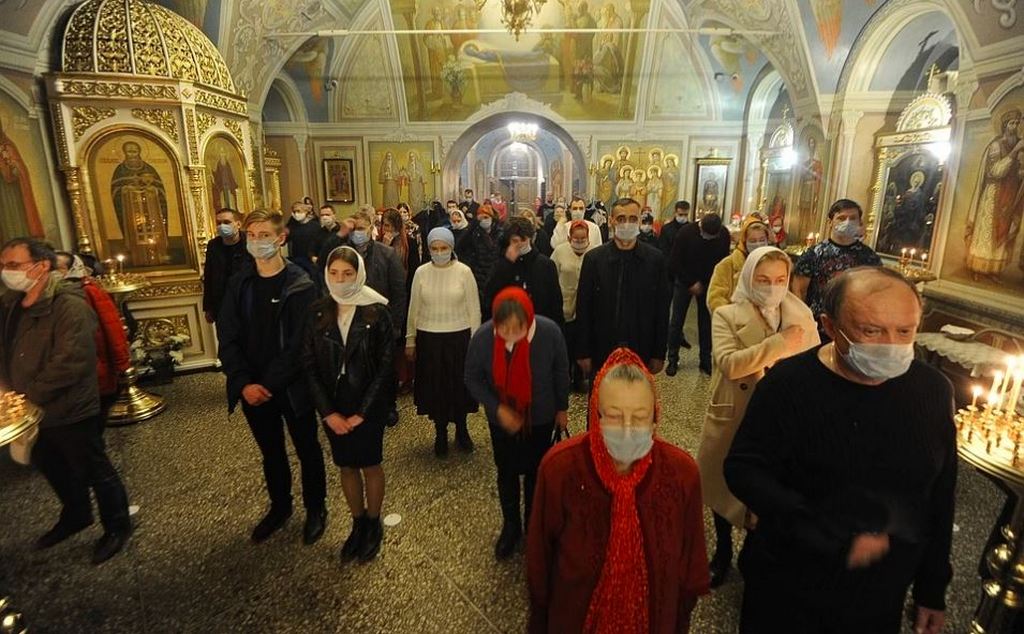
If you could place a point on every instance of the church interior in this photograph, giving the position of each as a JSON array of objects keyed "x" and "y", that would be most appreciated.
[{"x": 912, "y": 108}]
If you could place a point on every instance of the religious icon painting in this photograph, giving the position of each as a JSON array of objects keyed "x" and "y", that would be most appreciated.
[
  {"x": 339, "y": 180},
  {"x": 138, "y": 211},
  {"x": 712, "y": 176},
  {"x": 401, "y": 172},
  {"x": 910, "y": 203},
  {"x": 225, "y": 176}
]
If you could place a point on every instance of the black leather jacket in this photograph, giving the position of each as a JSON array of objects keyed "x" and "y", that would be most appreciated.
[{"x": 367, "y": 359}]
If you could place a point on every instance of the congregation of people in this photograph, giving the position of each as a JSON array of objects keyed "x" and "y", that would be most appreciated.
[{"x": 825, "y": 444}]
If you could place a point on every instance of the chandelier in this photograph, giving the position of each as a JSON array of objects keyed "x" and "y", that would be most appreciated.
[{"x": 516, "y": 14}]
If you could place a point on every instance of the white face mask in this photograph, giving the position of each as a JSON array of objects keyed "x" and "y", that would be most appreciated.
[
  {"x": 628, "y": 444},
  {"x": 262, "y": 249},
  {"x": 768, "y": 295},
  {"x": 879, "y": 361},
  {"x": 327, "y": 222},
  {"x": 17, "y": 280},
  {"x": 755, "y": 244},
  {"x": 847, "y": 229},
  {"x": 300, "y": 216},
  {"x": 580, "y": 246},
  {"x": 577, "y": 214},
  {"x": 341, "y": 291},
  {"x": 627, "y": 231},
  {"x": 486, "y": 222}
]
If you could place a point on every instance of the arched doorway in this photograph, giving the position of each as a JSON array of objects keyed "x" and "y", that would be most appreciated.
[{"x": 519, "y": 155}]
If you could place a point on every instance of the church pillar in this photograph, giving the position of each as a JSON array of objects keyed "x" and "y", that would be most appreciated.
[
  {"x": 841, "y": 170},
  {"x": 73, "y": 182},
  {"x": 300, "y": 144},
  {"x": 638, "y": 9},
  {"x": 197, "y": 186}
]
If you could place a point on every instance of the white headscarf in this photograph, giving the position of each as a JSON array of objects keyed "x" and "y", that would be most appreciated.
[
  {"x": 745, "y": 284},
  {"x": 76, "y": 270},
  {"x": 363, "y": 295}
]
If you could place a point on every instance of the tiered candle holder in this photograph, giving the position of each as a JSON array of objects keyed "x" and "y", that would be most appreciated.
[
  {"x": 915, "y": 266},
  {"x": 17, "y": 416},
  {"x": 133, "y": 404},
  {"x": 992, "y": 440}
]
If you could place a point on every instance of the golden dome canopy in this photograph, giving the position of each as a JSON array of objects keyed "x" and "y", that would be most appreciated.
[{"x": 140, "y": 38}]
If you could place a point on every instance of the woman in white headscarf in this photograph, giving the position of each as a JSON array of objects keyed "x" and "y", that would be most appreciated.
[
  {"x": 348, "y": 356},
  {"x": 764, "y": 324}
]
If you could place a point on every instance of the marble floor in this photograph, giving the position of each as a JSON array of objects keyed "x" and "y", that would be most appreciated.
[{"x": 194, "y": 474}]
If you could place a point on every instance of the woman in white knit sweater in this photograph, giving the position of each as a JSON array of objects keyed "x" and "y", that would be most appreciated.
[{"x": 444, "y": 310}]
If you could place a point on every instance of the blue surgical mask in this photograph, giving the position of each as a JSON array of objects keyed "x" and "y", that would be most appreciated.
[
  {"x": 627, "y": 231},
  {"x": 768, "y": 295},
  {"x": 359, "y": 237},
  {"x": 755, "y": 244},
  {"x": 682, "y": 219},
  {"x": 847, "y": 229},
  {"x": 628, "y": 444},
  {"x": 342, "y": 290},
  {"x": 577, "y": 214},
  {"x": 227, "y": 231},
  {"x": 647, "y": 228},
  {"x": 440, "y": 259},
  {"x": 485, "y": 223},
  {"x": 262, "y": 249},
  {"x": 879, "y": 361}
]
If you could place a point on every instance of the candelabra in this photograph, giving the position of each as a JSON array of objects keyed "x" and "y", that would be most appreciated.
[
  {"x": 133, "y": 405},
  {"x": 991, "y": 438},
  {"x": 17, "y": 417},
  {"x": 915, "y": 267}
]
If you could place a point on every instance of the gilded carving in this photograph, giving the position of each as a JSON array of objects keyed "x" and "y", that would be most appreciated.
[
  {"x": 197, "y": 185},
  {"x": 78, "y": 40},
  {"x": 157, "y": 330},
  {"x": 204, "y": 121},
  {"x": 59, "y": 136},
  {"x": 90, "y": 88},
  {"x": 235, "y": 128},
  {"x": 73, "y": 182},
  {"x": 220, "y": 102},
  {"x": 84, "y": 117},
  {"x": 163, "y": 119},
  {"x": 926, "y": 111},
  {"x": 193, "y": 139},
  {"x": 173, "y": 289}
]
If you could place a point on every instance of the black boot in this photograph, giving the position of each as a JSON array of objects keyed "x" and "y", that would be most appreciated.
[
  {"x": 672, "y": 367},
  {"x": 109, "y": 545},
  {"x": 63, "y": 529},
  {"x": 372, "y": 537},
  {"x": 721, "y": 561},
  {"x": 462, "y": 436},
  {"x": 508, "y": 540},
  {"x": 271, "y": 522},
  {"x": 354, "y": 543},
  {"x": 316, "y": 522},
  {"x": 440, "y": 439}
]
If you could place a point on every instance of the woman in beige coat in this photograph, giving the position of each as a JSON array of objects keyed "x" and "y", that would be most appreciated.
[{"x": 763, "y": 324}]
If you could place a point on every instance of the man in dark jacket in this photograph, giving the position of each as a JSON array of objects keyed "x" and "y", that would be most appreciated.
[
  {"x": 48, "y": 354},
  {"x": 260, "y": 329},
  {"x": 524, "y": 266},
  {"x": 480, "y": 248},
  {"x": 680, "y": 295},
  {"x": 623, "y": 296},
  {"x": 304, "y": 237},
  {"x": 225, "y": 255},
  {"x": 697, "y": 249},
  {"x": 669, "y": 228}
]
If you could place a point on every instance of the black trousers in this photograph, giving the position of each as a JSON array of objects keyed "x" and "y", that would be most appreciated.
[
  {"x": 569, "y": 331},
  {"x": 677, "y": 317},
  {"x": 265, "y": 422},
  {"x": 516, "y": 455},
  {"x": 73, "y": 459}
]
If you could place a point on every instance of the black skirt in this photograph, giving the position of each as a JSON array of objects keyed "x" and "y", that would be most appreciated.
[
  {"x": 440, "y": 389},
  {"x": 364, "y": 445}
]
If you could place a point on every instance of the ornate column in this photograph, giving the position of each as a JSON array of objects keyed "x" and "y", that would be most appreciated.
[
  {"x": 197, "y": 187},
  {"x": 272, "y": 170},
  {"x": 300, "y": 144},
  {"x": 73, "y": 181}
]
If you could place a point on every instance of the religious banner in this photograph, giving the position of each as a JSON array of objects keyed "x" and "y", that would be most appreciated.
[{"x": 136, "y": 187}]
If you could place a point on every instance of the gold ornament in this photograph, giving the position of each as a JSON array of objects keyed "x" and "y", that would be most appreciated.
[
  {"x": 84, "y": 117},
  {"x": 163, "y": 119}
]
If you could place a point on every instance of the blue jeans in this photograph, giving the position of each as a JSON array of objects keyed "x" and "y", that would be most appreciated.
[{"x": 677, "y": 317}]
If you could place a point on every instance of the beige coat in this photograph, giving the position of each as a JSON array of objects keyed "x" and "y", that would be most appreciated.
[{"x": 743, "y": 347}]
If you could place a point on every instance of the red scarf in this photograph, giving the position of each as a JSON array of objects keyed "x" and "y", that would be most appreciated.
[
  {"x": 513, "y": 378},
  {"x": 620, "y": 601}
]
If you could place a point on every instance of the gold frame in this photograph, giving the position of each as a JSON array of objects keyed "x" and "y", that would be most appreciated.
[{"x": 723, "y": 197}]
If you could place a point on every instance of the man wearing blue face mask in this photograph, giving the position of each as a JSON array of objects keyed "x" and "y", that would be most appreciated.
[
  {"x": 843, "y": 250},
  {"x": 847, "y": 457},
  {"x": 225, "y": 255},
  {"x": 623, "y": 294}
]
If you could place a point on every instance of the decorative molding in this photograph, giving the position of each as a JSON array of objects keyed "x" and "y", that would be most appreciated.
[
  {"x": 204, "y": 121},
  {"x": 59, "y": 135},
  {"x": 234, "y": 128},
  {"x": 163, "y": 119},
  {"x": 173, "y": 289},
  {"x": 850, "y": 120},
  {"x": 92, "y": 88},
  {"x": 401, "y": 135},
  {"x": 930, "y": 110},
  {"x": 1007, "y": 9},
  {"x": 84, "y": 117},
  {"x": 516, "y": 101},
  {"x": 193, "y": 140},
  {"x": 221, "y": 102}
]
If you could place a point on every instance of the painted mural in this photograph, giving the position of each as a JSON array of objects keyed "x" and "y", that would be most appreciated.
[
  {"x": 737, "y": 63},
  {"x": 308, "y": 67},
  {"x": 646, "y": 172},
  {"x": 25, "y": 202},
  {"x": 984, "y": 242},
  {"x": 136, "y": 190},
  {"x": 225, "y": 175},
  {"x": 400, "y": 172},
  {"x": 831, "y": 26},
  {"x": 678, "y": 94},
  {"x": 588, "y": 76}
]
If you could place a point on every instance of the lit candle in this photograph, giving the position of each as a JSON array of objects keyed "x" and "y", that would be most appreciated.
[
  {"x": 120, "y": 263},
  {"x": 993, "y": 400},
  {"x": 1018, "y": 379},
  {"x": 924, "y": 260},
  {"x": 1011, "y": 365},
  {"x": 997, "y": 381},
  {"x": 976, "y": 392}
]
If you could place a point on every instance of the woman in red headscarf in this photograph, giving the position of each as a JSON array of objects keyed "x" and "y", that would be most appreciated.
[
  {"x": 518, "y": 369},
  {"x": 616, "y": 540}
]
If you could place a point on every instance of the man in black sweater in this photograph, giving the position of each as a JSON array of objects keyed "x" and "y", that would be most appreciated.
[
  {"x": 524, "y": 266},
  {"x": 623, "y": 296},
  {"x": 304, "y": 237},
  {"x": 225, "y": 256},
  {"x": 698, "y": 247},
  {"x": 260, "y": 331},
  {"x": 847, "y": 459}
]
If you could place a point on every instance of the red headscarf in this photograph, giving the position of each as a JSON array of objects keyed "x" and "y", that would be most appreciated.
[
  {"x": 620, "y": 600},
  {"x": 513, "y": 378}
]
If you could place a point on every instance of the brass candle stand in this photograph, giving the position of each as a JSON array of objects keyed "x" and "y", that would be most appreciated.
[
  {"x": 133, "y": 404},
  {"x": 992, "y": 440},
  {"x": 17, "y": 417},
  {"x": 11, "y": 621}
]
